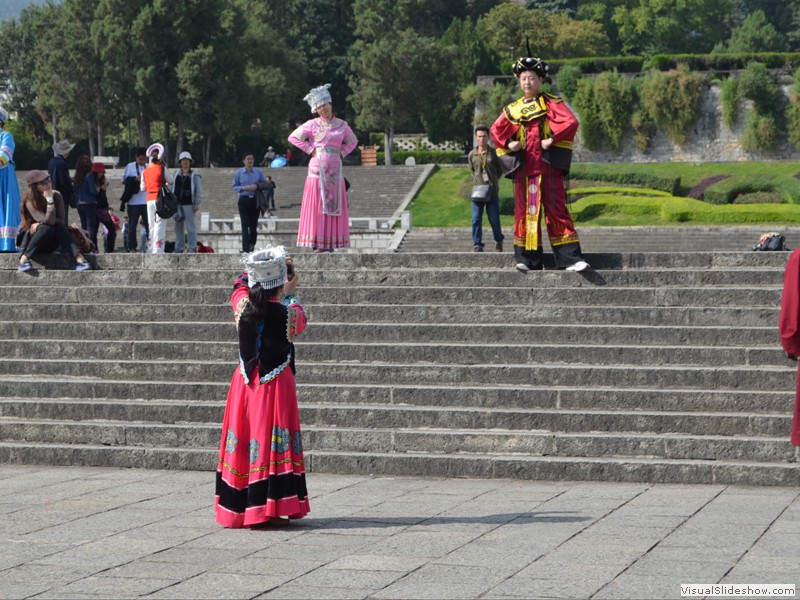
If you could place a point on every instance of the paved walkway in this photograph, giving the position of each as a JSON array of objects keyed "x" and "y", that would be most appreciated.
[{"x": 73, "y": 532}]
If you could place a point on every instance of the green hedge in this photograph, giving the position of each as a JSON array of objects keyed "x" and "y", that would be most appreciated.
[
  {"x": 670, "y": 185},
  {"x": 726, "y": 191},
  {"x": 424, "y": 157},
  {"x": 723, "y": 62},
  {"x": 666, "y": 62}
]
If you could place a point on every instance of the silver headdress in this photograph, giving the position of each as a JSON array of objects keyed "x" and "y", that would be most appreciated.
[
  {"x": 266, "y": 266},
  {"x": 3, "y": 115},
  {"x": 318, "y": 96}
]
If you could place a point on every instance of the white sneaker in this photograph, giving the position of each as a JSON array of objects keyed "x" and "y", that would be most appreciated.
[
  {"x": 579, "y": 266},
  {"x": 522, "y": 267}
]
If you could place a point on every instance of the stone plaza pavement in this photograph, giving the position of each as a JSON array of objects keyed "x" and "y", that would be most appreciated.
[{"x": 81, "y": 532}]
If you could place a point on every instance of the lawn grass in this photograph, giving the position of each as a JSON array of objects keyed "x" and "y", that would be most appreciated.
[{"x": 444, "y": 200}]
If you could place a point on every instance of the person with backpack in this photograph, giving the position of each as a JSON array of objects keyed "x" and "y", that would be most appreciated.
[{"x": 153, "y": 177}]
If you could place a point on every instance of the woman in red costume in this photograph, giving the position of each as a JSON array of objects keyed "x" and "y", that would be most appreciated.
[
  {"x": 261, "y": 472},
  {"x": 539, "y": 127},
  {"x": 790, "y": 328}
]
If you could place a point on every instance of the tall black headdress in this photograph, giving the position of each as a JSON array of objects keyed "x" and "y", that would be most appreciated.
[{"x": 529, "y": 63}]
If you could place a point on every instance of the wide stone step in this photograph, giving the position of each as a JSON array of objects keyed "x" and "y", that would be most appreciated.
[
  {"x": 569, "y": 375},
  {"x": 390, "y": 261},
  {"x": 403, "y": 417},
  {"x": 607, "y": 296},
  {"x": 436, "y": 441},
  {"x": 555, "y": 315},
  {"x": 466, "y": 333},
  {"x": 424, "y": 277},
  {"x": 495, "y": 396},
  {"x": 629, "y": 469},
  {"x": 440, "y": 354}
]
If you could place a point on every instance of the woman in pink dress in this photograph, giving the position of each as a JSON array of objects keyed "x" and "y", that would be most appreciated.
[
  {"x": 261, "y": 471},
  {"x": 324, "y": 218}
]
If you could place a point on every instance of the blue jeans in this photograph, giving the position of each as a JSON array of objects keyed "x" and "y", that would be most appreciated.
[
  {"x": 89, "y": 221},
  {"x": 493, "y": 213}
]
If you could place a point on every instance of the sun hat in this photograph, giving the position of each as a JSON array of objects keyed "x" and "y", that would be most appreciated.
[
  {"x": 154, "y": 147},
  {"x": 185, "y": 154},
  {"x": 62, "y": 147},
  {"x": 98, "y": 167}
]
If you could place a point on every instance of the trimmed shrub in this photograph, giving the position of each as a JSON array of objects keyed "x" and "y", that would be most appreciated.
[
  {"x": 722, "y": 62},
  {"x": 759, "y": 198},
  {"x": 726, "y": 192},
  {"x": 673, "y": 101},
  {"x": 670, "y": 185},
  {"x": 697, "y": 191}
]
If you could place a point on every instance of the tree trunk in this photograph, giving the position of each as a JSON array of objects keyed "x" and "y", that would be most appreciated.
[
  {"x": 101, "y": 144},
  {"x": 54, "y": 123},
  {"x": 180, "y": 141},
  {"x": 144, "y": 130},
  {"x": 207, "y": 151},
  {"x": 388, "y": 143},
  {"x": 166, "y": 142},
  {"x": 92, "y": 146}
]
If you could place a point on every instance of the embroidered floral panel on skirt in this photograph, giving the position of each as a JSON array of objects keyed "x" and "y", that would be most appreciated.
[
  {"x": 319, "y": 228},
  {"x": 261, "y": 471}
]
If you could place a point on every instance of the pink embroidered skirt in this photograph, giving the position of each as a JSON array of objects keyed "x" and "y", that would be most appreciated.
[
  {"x": 318, "y": 230},
  {"x": 261, "y": 471}
]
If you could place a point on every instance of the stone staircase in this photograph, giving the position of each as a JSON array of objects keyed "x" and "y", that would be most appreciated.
[
  {"x": 606, "y": 239},
  {"x": 654, "y": 367}
]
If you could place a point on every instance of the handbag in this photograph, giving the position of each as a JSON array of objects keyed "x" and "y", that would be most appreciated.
[
  {"x": 166, "y": 203},
  {"x": 481, "y": 194}
]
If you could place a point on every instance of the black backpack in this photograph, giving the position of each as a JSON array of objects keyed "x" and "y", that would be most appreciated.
[{"x": 771, "y": 241}]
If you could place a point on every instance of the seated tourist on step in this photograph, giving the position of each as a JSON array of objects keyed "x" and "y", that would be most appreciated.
[{"x": 42, "y": 215}]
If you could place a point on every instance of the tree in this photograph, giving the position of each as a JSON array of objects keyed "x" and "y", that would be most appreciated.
[
  {"x": 755, "y": 34},
  {"x": 672, "y": 26},
  {"x": 469, "y": 56},
  {"x": 68, "y": 75},
  {"x": 576, "y": 39},
  {"x": 18, "y": 41},
  {"x": 507, "y": 26},
  {"x": 388, "y": 77}
]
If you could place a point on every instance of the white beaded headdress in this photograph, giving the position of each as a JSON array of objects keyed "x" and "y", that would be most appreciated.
[
  {"x": 266, "y": 266},
  {"x": 318, "y": 96},
  {"x": 158, "y": 147}
]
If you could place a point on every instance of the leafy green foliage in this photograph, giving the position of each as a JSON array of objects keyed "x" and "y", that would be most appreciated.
[
  {"x": 793, "y": 112},
  {"x": 729, "y": 98},
  {"x": 629, "y": 177},
  {"x": 755, "y": 34},
  {"x": 756, "y": 84},
  {"x": 644, "y": 128},
  {"x": 726, "y": 191},
  {"x": 613, "y": 96},
  {"x": 424, "y": 157},
  {"x": 591, "y": 130},
  {"x": 567, "y": 78},
  {"x": 673, "y": 100},
  {"x": 653, "y": 26},
  {"x": 760, "y": 133}
]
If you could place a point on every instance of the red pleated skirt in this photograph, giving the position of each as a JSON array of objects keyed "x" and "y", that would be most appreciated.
[{"x": 261, "y": 470}]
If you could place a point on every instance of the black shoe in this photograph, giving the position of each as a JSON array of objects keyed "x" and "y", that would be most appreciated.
[{"x": 477, "y": 248}]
